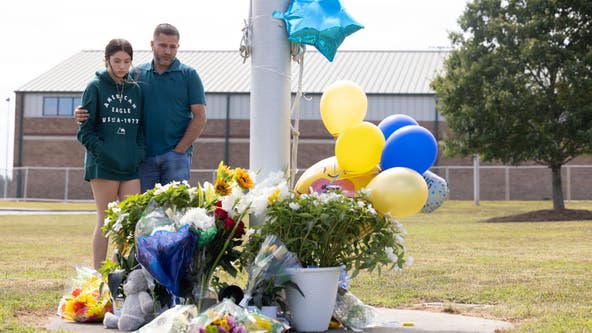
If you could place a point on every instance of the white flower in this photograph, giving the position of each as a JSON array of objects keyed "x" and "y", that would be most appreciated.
[
  {"x": 391, "y": 254},
  {"x": 241, "y": 207},
  {"x": 192, "y": 191},
  {"x": 294, "y": 206},
  {"x": 365, "y": 191},
  {"x": 207, "y": 186},
  {"x": 113, "y": 204},
  {"x": 229, "y": 201},
  {"x": 258, "y": 197},
  {"x": 160, "y": 189},
  {"x": 273, "y": 179},
  {"x": 250, "y": 232},
  {"x": 399, "y": 239},
  {"x": 198, "y": 217},
  {"x": 118, "y": 225},
  {"x": 409, "y": 260},
  {"x": 259, "y": 205}
]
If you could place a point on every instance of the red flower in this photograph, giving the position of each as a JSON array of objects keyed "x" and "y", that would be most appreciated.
[
  {"x": 220, "y": 214},
  {"x": 240, "y": 230},
  {"x": 76, "y": 292},
  {"x": 228, "y": 224},
  {"x": 218, "y": 203}
]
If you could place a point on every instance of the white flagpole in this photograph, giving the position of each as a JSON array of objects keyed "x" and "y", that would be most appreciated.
[{"x": 270, "y": 89}]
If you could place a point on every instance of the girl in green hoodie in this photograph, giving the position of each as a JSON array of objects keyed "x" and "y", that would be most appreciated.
[{"x": 112, "y": 136}]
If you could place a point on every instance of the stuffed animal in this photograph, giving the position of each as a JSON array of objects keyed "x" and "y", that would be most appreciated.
[{"x": 137, "y": 307}]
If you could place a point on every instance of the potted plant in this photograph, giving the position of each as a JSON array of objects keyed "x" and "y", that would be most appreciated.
[{"x": 327, "y": 231}]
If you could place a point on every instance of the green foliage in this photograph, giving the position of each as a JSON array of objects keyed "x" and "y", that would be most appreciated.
[
  {"x": 121, "y": 218},
  {"x": 332, "y": 229},
  {"x": 517, "y": 86}
]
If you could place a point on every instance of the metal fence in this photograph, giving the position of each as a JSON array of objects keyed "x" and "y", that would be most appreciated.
[{"x": 465, "y": 182}]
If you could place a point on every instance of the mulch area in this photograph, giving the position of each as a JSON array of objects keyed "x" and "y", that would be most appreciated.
[{"x": 546, "y": 215}]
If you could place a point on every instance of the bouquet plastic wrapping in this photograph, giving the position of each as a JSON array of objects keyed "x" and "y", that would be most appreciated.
[
  {"x": 164, "y": 249},
  {"x": 269, "y": 269},
  {"x": 352, "y": 312},
  {"x": 153, "y": 218},
  {"x": 173, "y": 320},
  {"x": 227, "y": 317},
  {"x": 87, "y": 298}
]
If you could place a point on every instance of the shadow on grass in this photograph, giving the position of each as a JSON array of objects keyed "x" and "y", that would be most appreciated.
[{"x": 545, "y": 215}]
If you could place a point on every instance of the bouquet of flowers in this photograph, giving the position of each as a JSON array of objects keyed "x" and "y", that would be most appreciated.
[
  {"x": 88, "y": 299},
  {"x": 207, "y": 219},
  {"x": 227, "y": 317}
]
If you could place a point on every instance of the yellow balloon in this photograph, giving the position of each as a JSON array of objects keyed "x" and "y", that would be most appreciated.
[
  {"x": 399, "y": 191},
  {"x": 359, "y": 148},
  {"x": 326, "y": 172},
  {"x": 343, "y": 104}
]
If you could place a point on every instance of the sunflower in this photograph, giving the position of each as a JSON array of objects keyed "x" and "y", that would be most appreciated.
[
  {"x": 222, "y": 187},
  {"x": 243, "y": 178}
]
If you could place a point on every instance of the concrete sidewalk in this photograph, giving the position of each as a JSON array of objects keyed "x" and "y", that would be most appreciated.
[
  {"x": 41, "y": 211},
  {"x": 391, "y": 319}
]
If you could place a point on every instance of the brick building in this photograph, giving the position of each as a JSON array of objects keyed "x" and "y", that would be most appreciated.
[{"x": 394, "y": 81}]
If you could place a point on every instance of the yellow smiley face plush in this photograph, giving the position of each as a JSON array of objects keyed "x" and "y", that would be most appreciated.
[{"x": 327, "y": 173}]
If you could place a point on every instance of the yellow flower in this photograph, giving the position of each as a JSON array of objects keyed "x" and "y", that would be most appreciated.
[
  {"x": 96, "y": 311},
  {"x": 243, "y": 178},
  {"x": 224, "y": 173},
  {"x": 222, "y": 187},
  {"x": 225, "y": 324},
  {"x": 87, "y": 298},
  {"x": 275, "y": 196}
]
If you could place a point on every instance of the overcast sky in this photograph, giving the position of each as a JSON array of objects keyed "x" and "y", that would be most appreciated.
[{"x": 39, "y": 34}]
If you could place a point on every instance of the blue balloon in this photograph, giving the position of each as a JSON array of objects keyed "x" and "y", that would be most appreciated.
[
  {"x": 393, "y": 122},
  {"x": 411, "y": 146},
  {"x": 322, "y": 23}
]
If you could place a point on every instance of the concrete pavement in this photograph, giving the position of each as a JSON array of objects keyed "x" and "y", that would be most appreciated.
[{"x": 391, "y": 322}]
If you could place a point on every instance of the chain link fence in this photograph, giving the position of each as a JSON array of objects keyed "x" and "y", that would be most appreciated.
[{"x": 464, "y": 182}]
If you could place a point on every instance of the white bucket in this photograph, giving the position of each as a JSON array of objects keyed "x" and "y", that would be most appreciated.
[{"x": 312, "y": 313}]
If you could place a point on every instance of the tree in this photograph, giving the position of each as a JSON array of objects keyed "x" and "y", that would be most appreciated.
[{"x": 517, "y": 86}]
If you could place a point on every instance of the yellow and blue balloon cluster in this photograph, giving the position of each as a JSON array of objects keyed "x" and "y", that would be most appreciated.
[{"x": 390, "y": 159}]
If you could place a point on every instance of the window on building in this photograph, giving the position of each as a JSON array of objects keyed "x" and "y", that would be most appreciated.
[{"x": 60, "y": 106}]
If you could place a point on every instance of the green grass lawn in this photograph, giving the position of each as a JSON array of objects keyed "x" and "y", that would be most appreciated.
[{"x": 536, "y": 275}]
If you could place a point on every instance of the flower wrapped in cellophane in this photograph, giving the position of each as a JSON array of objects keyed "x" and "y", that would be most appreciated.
[
  {"x": 227, "y": 317},
  {"x": 87, "y": 299},
  {"x": 268, "y": 274}
]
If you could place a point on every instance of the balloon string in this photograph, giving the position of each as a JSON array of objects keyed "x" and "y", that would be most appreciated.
[
  {"x": 286, "y": 75},
  {"x": 298, "y": 56},
  {"x": 246, "y": 44}
]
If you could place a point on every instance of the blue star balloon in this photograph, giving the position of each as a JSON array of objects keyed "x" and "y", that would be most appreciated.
[{"x": 322, "y": 23}]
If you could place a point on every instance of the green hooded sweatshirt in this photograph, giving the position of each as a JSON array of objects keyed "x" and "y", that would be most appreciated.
[{"x": 113, "y": 134}]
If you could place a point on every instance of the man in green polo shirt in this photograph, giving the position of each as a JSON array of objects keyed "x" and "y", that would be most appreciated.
[{"x": 174, "y": 111}]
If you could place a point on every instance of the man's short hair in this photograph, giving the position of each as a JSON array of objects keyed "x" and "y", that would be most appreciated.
[{"x": 167, "y": 29}]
